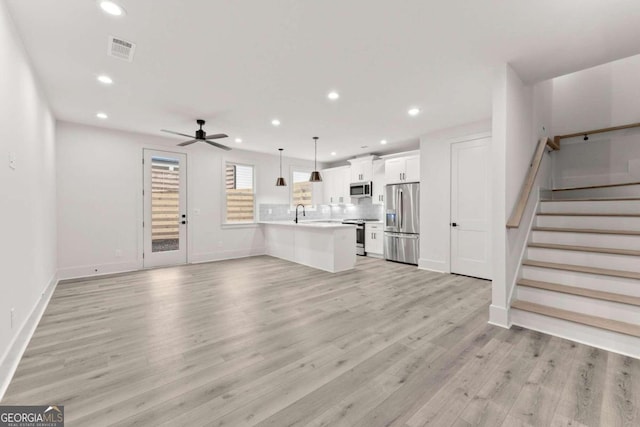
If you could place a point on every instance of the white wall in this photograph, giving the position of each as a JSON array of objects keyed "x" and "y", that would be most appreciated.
[
  {"x": 603, "y": 96},
  {"x": 435, "y": 192},
  {"x": 520, "y": 117},
  {"x": 100, "y": 199},
  {"x": 28, "y": 213}
]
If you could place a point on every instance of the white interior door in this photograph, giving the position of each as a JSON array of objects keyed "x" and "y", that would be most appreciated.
[
  {"x": 165, "y": 208},
  {"x": 470, "y": 209}
]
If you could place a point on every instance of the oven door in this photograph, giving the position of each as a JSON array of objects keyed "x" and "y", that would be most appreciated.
[{"x": 360, "y": 239}]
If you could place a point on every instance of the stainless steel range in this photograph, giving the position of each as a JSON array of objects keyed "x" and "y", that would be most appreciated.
[{"x": 359, "y": 223}]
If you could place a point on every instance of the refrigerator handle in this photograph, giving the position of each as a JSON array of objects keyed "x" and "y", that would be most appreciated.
[{"x": 400, "y": 208}]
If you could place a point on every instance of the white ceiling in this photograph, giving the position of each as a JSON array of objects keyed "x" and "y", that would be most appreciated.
[{"x": 241, "y": 63}]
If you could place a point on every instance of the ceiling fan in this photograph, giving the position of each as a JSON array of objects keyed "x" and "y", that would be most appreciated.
[{"x": 201, "y": 135}]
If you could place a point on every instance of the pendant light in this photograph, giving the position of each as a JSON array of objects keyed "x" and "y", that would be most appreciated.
[
  {"x": 315, "y": 175},
  {"x": 280, "y": 182}
]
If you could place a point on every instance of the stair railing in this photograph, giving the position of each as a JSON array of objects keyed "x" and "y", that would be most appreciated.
[
  {"x": 586, "y": 134},
  {"x": 527, "y": 186}
]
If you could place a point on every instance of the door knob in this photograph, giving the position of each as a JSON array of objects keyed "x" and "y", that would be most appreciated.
[{"x": 454, "y": 224}]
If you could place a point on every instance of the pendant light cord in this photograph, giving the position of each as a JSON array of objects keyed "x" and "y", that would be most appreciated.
[{"x": 315, "y": 153}]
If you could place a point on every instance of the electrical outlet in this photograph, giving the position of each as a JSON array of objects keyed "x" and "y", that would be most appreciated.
[{"x": 13, "y": 312}]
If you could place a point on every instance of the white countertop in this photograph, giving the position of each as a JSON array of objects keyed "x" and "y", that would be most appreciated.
[{"x": 310, "y": 224}]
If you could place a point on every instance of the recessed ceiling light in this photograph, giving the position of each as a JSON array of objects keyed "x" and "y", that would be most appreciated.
[
  {"x": 102, "y": 116},
  {"x": 238, "y": 140},
  {"x": 383, "y": 142},
  {"x": 333, "y": 96},
  {"x": 105, "y": 79},
  {"x": 333, "y": 153},
  {"x": 111, "y": 8},
  {"x": 414, "y": 111},
  {"x": 275, "y": 122}
]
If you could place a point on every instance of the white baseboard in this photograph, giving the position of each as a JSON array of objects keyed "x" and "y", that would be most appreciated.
[
  {"x": 225, "y": 255},
  {"x": 83, "y": 271},
  {"x": 499, "y": 316},
  {"x": 433, "y": 265},
  {"x": 17, "y": 346}
]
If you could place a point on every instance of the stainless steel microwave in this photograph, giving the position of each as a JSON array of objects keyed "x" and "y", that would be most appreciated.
[{"x": 360, "y": 189}]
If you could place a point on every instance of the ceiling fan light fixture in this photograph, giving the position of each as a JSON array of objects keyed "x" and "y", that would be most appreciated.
[
  {"x": 280, "y": 182},
  {"x": 315, "y": 175},
  {"x": 200, "y": 136}
]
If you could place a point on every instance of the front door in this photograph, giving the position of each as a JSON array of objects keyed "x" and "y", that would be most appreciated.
[
  {"x": 165, "y": 208},
  {"x": 470, "y": 209}
]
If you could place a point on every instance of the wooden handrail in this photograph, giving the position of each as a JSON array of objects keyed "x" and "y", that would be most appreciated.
[
  {"x": 527, "y": 186},
  {"x": 557, "y": 139}
]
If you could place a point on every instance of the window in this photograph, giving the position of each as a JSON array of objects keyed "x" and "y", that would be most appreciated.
[
  {"x": 301, "y": 188},
  {"x": 240, "y": 197}
]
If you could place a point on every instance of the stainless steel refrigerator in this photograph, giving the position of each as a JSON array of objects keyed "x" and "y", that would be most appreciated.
[{"x": 402, "y": 223}]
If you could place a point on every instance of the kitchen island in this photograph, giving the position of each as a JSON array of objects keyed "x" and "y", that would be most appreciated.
[{"x": 325, "y": 245}]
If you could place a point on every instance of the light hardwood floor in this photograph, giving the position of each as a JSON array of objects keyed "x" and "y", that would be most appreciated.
[{"x": 261, "y": 341}]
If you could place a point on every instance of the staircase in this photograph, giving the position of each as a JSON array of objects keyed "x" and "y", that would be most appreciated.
[{"x": 580, "y": 278}]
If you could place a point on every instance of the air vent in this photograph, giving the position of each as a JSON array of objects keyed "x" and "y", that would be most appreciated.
[{"x": 121, "y": 49}]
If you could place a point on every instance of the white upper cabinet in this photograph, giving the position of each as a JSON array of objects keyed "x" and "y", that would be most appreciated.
[
  {"x": 393, "y": 170},
  {"x": 362, "y": 169},
  {"x": 336, "y": 185},
  {"x": 402, "y": 169},
  {"x": 412, "y": 169},
  {"x": 379, "y": 182}
]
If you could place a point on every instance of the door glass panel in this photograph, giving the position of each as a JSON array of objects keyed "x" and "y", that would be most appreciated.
[{"x": 165, "y": 204}]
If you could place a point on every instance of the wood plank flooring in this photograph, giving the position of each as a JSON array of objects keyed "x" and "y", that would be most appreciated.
[{"x": 261, "y": 341}]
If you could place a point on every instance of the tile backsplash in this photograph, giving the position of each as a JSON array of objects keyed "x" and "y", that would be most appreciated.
[{"x": 283, "y": 212}]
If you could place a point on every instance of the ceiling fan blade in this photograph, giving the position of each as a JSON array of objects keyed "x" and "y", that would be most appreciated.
[
  {"x": 215, "y": 144},
  {"x": 176, "y": 133},
  {"x": 218, "y": 136},
  {"x": 187, "y": 142}
]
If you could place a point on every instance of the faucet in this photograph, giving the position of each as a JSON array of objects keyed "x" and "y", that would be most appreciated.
[{"x": 303, "y": 212}]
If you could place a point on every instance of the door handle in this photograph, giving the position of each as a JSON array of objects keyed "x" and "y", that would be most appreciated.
[
  {"x": 183, "y": 222},
  {"x": 454, "y": 224}
]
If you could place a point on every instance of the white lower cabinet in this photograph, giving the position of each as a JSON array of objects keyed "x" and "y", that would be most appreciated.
[{"x": 373, "y": 239}]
